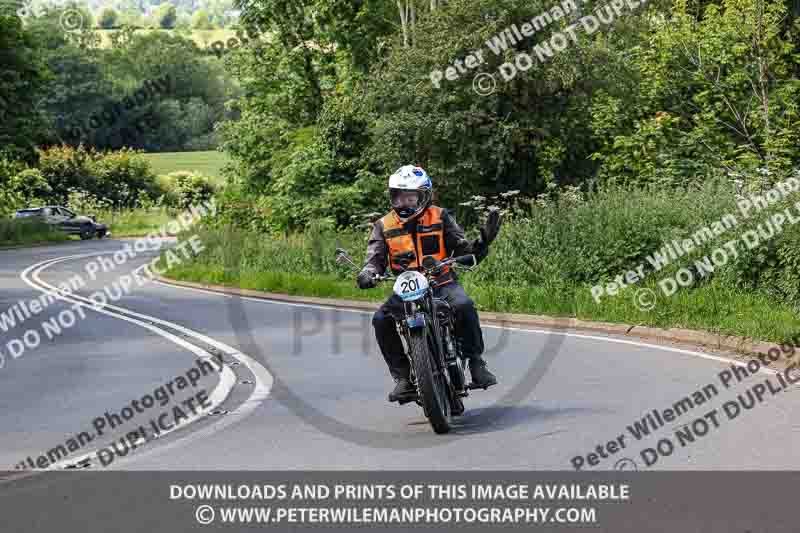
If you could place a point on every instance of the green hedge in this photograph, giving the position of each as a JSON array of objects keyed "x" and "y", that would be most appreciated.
[{"x": 120, "y": 178}]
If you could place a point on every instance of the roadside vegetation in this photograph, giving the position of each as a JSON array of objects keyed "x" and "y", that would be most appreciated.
[
  {"x": 547, "y": 257},
  {"x": 612, "y": 147},
  {"x": 119, "y": 188},
  {"x": 25, "y": 232},
  {"x": 600, "y": 152}
]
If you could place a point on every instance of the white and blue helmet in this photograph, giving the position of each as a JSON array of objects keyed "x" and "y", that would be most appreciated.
[{"x": 410, "y": 178}]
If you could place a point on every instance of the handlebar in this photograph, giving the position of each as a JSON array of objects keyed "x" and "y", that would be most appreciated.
[
  {"x": 466, "y": 260},
  {"x": 462, "y": 260}
]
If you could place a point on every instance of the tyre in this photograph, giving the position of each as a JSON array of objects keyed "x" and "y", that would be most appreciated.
[
  {"x": 87, "y": 232},
  {"x": 431, "y": 382}
]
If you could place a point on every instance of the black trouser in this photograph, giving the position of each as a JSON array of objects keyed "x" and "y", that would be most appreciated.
[{"x": 468, "y": 328}]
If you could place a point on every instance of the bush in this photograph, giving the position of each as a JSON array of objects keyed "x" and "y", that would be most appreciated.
[
  {"x": 10, "y": 198},
  {"x": 240, "y": 210},
  {"x": 166, "y": 187},
  {"x": 67, "y": 168},
  {"x": 121, "y": 178},
  {"x": 190, "y": 188},
  {"x": 85, "y": 203},
  {"x": 31, "y": 185},
  {"x": 567, "y": 240}
]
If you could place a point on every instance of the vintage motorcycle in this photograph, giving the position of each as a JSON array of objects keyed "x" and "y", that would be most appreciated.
[{"x": 427, "y": 328}]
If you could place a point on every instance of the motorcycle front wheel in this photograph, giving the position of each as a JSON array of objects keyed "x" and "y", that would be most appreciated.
[{"x": 431, "y": 382}]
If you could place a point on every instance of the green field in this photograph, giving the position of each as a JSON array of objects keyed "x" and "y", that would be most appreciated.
[
  {"x": 207, "y": 163},
  {"x": 203, "y": 38}
]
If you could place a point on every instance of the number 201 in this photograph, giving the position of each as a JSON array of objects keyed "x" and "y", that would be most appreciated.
[{"x": 410, "y": 285}]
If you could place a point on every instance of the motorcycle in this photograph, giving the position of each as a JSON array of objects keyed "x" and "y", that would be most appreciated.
[{"x": 427, "y": 328}]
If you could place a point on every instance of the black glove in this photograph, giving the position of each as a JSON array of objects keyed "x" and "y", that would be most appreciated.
[
  {"x": 492, "y": 227},
  {"x": 366, "y": 279},
  {"x": 480, "y": 247}
]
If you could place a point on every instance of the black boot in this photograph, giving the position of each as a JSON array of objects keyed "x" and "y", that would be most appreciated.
[
  {"x": 403, "y": 389},
  {"x": 481, "y": 377}
]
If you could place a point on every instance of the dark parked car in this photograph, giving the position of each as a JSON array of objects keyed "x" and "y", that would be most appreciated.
[{"x": 67, "y": 221}]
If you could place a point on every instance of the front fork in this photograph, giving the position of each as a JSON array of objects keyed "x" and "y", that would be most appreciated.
[
  {"x": 454, "y": 369},
  {"x": 456, "y": 366}
]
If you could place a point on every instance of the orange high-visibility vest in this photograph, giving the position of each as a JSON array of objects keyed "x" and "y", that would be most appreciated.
[{"x": 430, "y": 241}]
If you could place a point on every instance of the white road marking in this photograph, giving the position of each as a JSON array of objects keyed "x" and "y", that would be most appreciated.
[
  {"x": 692, "y": 353},
  {"x": 263, "y": 379}
]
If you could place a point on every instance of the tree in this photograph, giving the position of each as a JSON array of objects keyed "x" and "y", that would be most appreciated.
[
  {"x": 108, "y": 18},
  {"x": 201, "y": 21},
  {"x": 185, "y": 93},
  {"x": 22, "y": 124},
  {"x": 716, "y": 92},
  {"x": 166, "y": 15},
  {"x": 360, "y": 29}
]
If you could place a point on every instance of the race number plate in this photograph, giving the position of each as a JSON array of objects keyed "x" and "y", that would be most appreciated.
[{"x": 410, "y": 286}]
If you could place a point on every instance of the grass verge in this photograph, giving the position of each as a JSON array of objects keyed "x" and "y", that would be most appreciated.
[
  {"x": 18, "y": 232},
  {"x": 289, "y": 266},
  {"x": 136, "y": 222}
]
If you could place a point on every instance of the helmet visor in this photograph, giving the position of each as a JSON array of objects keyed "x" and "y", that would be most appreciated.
[{"x": 407, "y": 202}]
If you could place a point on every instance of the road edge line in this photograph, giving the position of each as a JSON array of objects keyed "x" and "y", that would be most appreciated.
[{"x": 741, "y": 345}]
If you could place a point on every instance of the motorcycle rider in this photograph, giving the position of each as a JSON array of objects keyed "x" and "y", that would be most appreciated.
[{"x": 412, "y": 230}]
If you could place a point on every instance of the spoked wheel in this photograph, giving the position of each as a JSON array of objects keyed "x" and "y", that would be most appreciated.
[{"x": 432, "y": 383}]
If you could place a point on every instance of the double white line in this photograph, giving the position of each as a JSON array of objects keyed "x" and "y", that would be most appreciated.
[{"x": 263, "y": 379}]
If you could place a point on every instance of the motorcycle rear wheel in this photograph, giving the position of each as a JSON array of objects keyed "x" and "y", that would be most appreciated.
[{"x": 431, "y": 382}]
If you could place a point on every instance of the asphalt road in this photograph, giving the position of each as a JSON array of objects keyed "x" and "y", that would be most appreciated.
[{"x": 304, "y": 387}]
